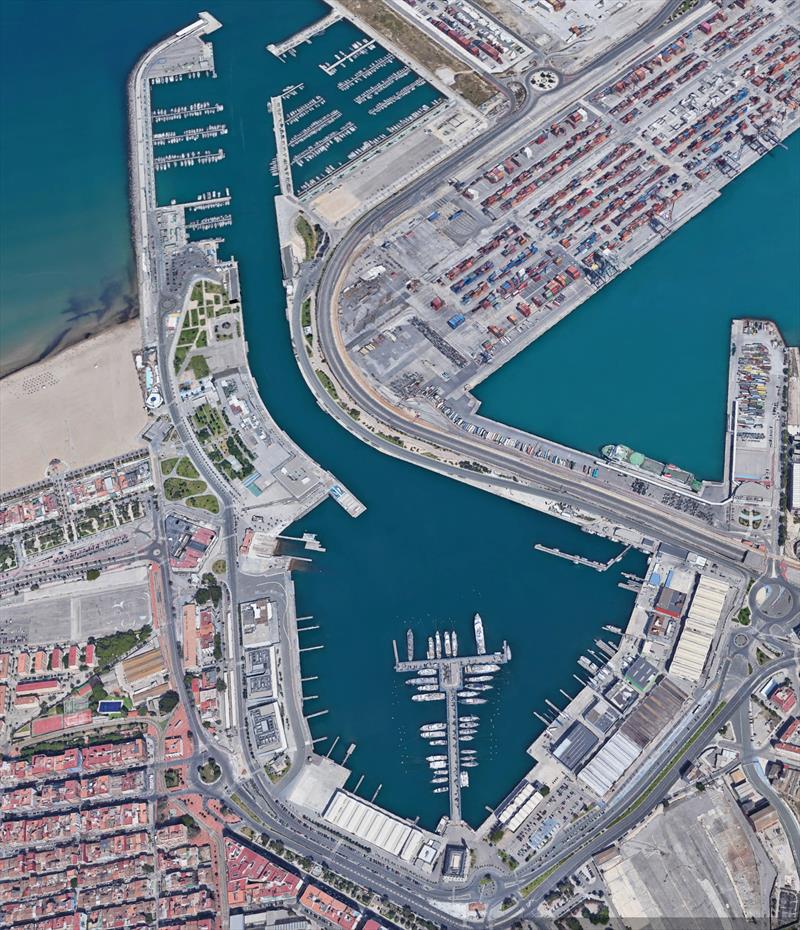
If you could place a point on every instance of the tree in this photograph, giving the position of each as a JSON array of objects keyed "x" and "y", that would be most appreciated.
[
  {"x": 92, "y": 574},
  {"x": 167, "y": 702}
]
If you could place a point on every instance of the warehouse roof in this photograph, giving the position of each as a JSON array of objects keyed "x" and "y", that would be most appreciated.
[{"x": 699, "y": 628}]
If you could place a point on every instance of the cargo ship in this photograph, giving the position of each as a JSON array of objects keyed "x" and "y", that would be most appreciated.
[
  {"x": 623, "y": 455},
  {"x": 480, "y": 642}
]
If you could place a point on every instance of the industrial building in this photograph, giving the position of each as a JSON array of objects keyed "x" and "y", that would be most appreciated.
[
  {"x": 379, "y": 828},
  {"x": 698, "y": 631},
  {"x": 610, "y": 764},
  {"x": 574, "y": 746}
]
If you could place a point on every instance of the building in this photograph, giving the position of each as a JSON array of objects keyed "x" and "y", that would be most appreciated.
[
  {"x": 610, "y": 764},
  {"x": 378, "y": 828},
  {"x": 456, "y": 862},
  {"x": 259, "y": 623},
  {"x": 784, "y": 698},
  {"x": 763, "y": 817},
  {"x": 266, "y": 730},
  {"x": 700, "y": 626},
  {"x": 574, "y": 745},
  {"x": 641, "y": 674},
  {"x": 520, "y": 804},
  {"x": 331, "y": 909},
  {"x": 670, "y": 603}
]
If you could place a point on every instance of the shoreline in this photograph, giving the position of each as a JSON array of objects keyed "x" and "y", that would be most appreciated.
[{"x": 71, "y": 336}]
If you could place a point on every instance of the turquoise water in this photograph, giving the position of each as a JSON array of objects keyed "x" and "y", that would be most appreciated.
[
  {"x": 645, "y": 361},
  {"x": 428, "y": 552}
]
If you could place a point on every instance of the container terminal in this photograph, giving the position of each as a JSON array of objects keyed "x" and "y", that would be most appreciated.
[{"x": 444, "y": 675}]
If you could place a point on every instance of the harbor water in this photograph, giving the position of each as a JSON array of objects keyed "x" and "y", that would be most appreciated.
[{"x": 428, "y": 553}]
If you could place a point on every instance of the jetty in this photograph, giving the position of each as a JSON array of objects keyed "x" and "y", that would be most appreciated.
[
  {"x": 581, "y": 560},
  {"x": 282, "y": 147},
  {"x": 450, "y": 682},
  {"x": 288, "y": 46}
]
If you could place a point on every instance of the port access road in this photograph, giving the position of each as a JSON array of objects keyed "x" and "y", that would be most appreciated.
[{"x": 509, "y": 470}]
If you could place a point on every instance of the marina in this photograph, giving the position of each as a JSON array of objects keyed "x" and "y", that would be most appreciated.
[{"x": 453, "y": 674}]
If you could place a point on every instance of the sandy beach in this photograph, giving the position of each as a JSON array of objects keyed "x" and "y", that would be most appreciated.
[{"x": 81, "y": 406}]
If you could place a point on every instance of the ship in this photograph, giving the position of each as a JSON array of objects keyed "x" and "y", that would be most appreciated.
[
  {"x": 467, "y": 694},
  {"x": 476, "y": 678},
  {"x": 432, "y": 727},
  {"x": 463, "y": 779},
  {"x": 417, "y": 681},
  {"x": 474, "y": 700},
  {"x": 481, "y": 687},
  {"x": 623, "y": 455},
  {"x": 428, "y": 686},
  {"x": 439, "y": 764},
  {"x": 469, "y": 764},
  {"x": 448, "y": 649},
  {"x": 438, "y": 645},
  {"x": 410, "y": 644},
  {"x": 485, "y": 667},
  {"x": 506, "y": 651},
  {"x": 438, "y": 742},
  {"x": 430, "y": 654},
  {"x": 441, "y": 789},
  {"x": 469, "y": 718},
  {"x": 427, "y": 672},
  {"x": 438, "y": 758},
  {"x": 439, "y": 779},
  {"x": 466, "y": 737},
  {"x": 480, "y": 642},
  {"x": 435, "y": 696},
  {"x": 454, "y": 641}
]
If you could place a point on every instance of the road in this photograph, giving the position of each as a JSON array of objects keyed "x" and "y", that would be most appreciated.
[{"x": 645, "y": 515}]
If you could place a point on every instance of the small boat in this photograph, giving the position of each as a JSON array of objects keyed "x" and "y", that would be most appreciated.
[
  {"x": 472, "y": 678},
  {"x": 435, "y": 758},
  {"x": 441, "y": 789},
  {"x": 480, "y": 642},
  {"x": 448, "y": 648},
  {"x": 435, "y": 696},
  {"x": 438, "y": 765},
  {"x": 438, "y": 742},
  {"x": 439, "y": 779},
  {"x": 466, "y": 738},
  {"x": 454, "y": 641},
  {"x": 469, "y": 700},
  {"x": 469, "y": 764},
  {"x": 483, "y": 667},
  {"x": 416, "y": 681},
  {"x": 427, "y": 672},
  {"x": 428, "y": 687},
  {"x": 481, "y": 687},
  {"x": 432, "y": 727},
  {"x": 466, "y": 694},
  {"x": 438, "y": 642},
  {"x": 469, "y": 718},
  {"x": 430, "y": 653},
  {"x": 410, "y": 644}
]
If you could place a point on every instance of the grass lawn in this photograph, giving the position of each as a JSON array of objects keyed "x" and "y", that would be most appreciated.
[
  {"x": 204, "y": 502},
  {"x": 199, "y": 366},
  {"x": 168, "y": 466},
  {"x": 177, "y": 489},
  {"x": 186, "y": 469}
]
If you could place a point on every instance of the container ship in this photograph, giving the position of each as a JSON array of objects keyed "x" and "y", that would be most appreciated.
[{"x": 623, "y": 455}]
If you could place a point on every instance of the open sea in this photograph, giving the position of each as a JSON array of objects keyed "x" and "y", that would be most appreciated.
[{"x": 644, "y": 362}]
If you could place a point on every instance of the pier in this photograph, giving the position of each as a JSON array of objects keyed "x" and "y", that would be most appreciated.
[
  {"x": 279, "y": 49},
  {"x": 360, "y": 47},
  {"x": 581, "y": 560},
  {"x": 450, "y": 684},
  {"x": 282, "y": 147}
]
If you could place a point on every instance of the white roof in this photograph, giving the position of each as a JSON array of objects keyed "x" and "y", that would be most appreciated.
[
  {"x": 610, "y": 763},
  {"x": 374, "y": 826},
  {"x": 699, "y": 628}
]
